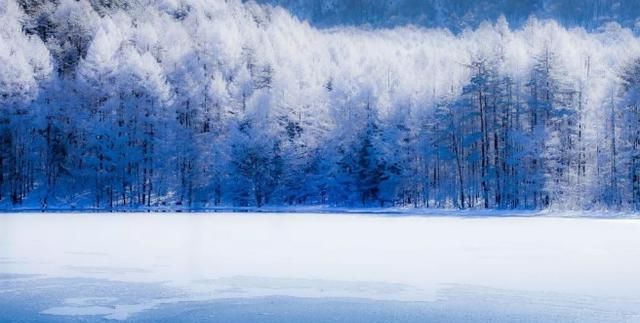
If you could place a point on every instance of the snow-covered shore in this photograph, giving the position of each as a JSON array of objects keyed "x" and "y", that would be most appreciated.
[{"x": 335, "y": 210}]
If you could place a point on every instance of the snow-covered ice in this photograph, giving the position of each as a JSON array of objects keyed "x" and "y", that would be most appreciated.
[{"x": 318, "y": 267}]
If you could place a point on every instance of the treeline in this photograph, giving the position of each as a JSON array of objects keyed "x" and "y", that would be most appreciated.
[{"x": 204, "y": 104}]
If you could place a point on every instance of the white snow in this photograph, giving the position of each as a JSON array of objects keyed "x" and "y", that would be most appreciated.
[{"x": 216, "y": 256}]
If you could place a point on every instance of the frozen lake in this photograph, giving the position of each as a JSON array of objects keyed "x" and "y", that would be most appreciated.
[{"x": 317, "y": 268}]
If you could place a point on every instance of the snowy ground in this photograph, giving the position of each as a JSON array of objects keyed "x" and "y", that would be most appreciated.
[{"x": 317, "y": 268}]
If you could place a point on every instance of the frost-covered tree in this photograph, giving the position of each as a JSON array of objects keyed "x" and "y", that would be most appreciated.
[
  {"x": 200, "y": 103},
  {"x": 24, "y": 67}
]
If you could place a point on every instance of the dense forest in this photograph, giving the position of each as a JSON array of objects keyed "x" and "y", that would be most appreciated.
[
  {"x": 197, "y": 104},
  {"x": 456, "y": 15}
]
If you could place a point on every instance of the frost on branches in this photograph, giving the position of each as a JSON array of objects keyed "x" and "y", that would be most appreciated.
[{"x": 202, "y": 103}]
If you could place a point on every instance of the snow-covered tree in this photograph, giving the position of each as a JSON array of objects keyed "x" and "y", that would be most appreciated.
[{"x": 200, "y": 103}]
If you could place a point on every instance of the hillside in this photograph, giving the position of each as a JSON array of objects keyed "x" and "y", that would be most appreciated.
[{"x": 457, "y": 15}]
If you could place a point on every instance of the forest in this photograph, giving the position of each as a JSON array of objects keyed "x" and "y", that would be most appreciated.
[{"x": 197, "y": 104}]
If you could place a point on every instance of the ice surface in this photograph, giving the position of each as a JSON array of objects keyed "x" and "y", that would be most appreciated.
[{"x": 313, "y": 267}]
